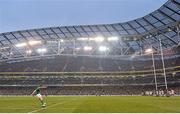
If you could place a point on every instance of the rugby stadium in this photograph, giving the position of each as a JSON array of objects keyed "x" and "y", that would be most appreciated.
[{"x": 129, "y": 67}]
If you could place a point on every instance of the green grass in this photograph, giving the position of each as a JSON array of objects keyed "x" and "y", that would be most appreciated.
[{"x": 89, "y": 104}]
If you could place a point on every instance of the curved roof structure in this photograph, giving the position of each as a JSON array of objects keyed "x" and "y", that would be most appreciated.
[{"x": 130, "y": 37}]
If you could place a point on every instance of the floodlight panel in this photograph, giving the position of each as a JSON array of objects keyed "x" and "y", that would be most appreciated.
[
  {"x": 97, "y": 39},
  {"x": 113, "y": 38},
  {"x": 87, "y": 48},
  {"x": 34, "y": 42},
  {"x": 82, "y": 39},
  {"x": 61, "y": 40},
  {"x": 28, "y": 51},
  {"x": 149, "y": 50},
  {"x": 78, "y": 48},
  {"x": 21, "y": 44},
  {"x": 103, "y": 48},
  {"x": 41, "y": 50}
]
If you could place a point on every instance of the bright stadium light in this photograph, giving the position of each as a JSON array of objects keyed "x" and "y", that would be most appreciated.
[
  {"x": 34, "y": 42},
  {"x": 11, "y": 53},
  {"x": 87, "y": 48},
  {"x": 82, "y": 39},
  {"x": 41, "y": 50},
  {"x": 103, "y": 48},
  {"x": 4, "y": 48},
  {"x": 28, "y": 51},
  {"x": 21, "y": 44},
  {"x": 113, "y": 38},
  {"x": 61, "y": 40},
  {"x": 91, "y": 39},
  {"x": 149, "y": 50},
  {"x": 78, "y": 48},
  {"x": 97, "y": 39}
]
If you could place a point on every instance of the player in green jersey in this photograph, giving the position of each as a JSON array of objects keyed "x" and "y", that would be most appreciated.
[{"x": 37, "y": 93}]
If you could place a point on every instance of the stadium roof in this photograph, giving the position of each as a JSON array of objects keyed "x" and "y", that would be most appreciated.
[{"x": 107, "y": 39}]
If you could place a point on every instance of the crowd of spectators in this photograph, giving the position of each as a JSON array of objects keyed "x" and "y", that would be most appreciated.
[
  {"x": 74, "y": 90},
  {"x": 86, "y": 80},
  {"x": 90, "y": 64},
  {"x": 83, "y": 90},
  {"x": 83, "y": 85},
  {"x": 88, "y": 85}
]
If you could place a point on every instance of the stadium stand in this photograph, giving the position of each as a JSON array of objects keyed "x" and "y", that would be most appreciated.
[{"x": 107, "y": 59}]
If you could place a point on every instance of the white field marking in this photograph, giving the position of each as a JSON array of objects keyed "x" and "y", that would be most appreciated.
[{"x": 51, "y": 106}]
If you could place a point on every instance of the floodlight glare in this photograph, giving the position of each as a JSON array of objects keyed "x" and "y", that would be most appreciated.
[
  {"x": 149, "y": 50},
  {"x": 78, "y": 48},
  {"x": 97, "y": 39},
  {"x": 82, "y": 39},
  {"x": 113, "y": 38},
  {"x": 41, "y": 50},
  {"x": 21, "y": 44},
  {"x": 11, "y": 53},
  {"x": 87, "y": 48},
  {"x": 4, "y": 48},
  {"x": 103, "y": 48},
  {"x": 61, "y": 40},
  {"x": 34, "y": 42},
  {"x": 28, "y": 51}
]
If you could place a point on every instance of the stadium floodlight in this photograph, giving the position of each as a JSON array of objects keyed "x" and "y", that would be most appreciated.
[
  {"x": 4, "y": 48},
  {"x": 91, "y": 39},
  {"x": 149, "y": 50},
  {"x": 41, "y": 50},
  {"x": 78, "y": 48},
  {"x": 97, "y": 39},
  {"x": 113, "y": 38},
  {"x": 61, "y": 40},
  {"x": 34, "y": 42},
  {"x": 11, "y": 53},
  {"x": 103, "y": 48},
  {"x": 28, "y": 51},
  {"x": 21, "y": 44},
  {"x": 87, "y": 48},
  {"x": 83, "y": 39}
]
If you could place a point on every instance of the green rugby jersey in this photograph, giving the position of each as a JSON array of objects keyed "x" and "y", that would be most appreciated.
[{"x": 37, "y": 91}]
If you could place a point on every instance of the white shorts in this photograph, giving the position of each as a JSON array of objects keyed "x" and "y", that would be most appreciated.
[{"x": 39, "y": 95}]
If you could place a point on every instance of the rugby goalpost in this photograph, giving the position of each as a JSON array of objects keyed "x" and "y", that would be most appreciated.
[{"x": 154, "y": 69}]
